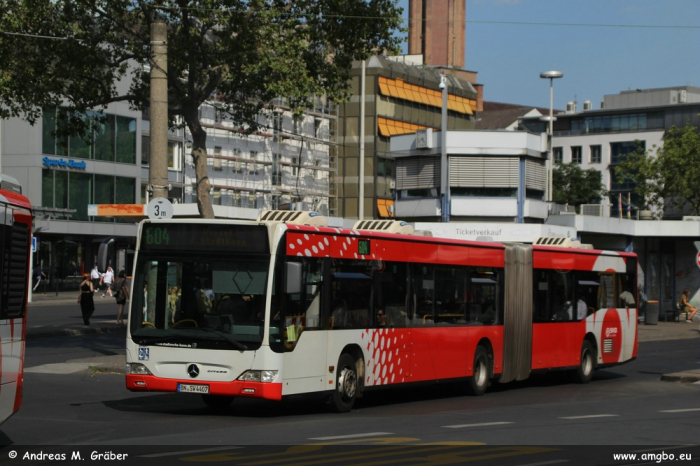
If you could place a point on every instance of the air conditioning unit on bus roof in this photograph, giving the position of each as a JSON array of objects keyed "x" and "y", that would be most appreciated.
[
  {"x": 295, "y": 217},
  {"x": 561, "y": 242},
  {"x": 384, "y": 226}
]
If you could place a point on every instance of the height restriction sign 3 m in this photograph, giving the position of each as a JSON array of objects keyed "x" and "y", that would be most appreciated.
[{"x": 159, "y": 208}]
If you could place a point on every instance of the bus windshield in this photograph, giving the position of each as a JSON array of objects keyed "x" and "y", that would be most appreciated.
[{"x": 203, "y": 300}]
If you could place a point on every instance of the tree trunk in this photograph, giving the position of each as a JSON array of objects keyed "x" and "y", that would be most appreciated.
[{"x": 199, "y": 154}]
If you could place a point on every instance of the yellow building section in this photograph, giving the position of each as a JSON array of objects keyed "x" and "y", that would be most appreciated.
[
  {"x": 402, "y": 90},
  {"x": 385, "y": 207},
  {"x": 388, "y": 127}
]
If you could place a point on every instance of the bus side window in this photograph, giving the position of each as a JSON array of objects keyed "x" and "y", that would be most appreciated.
[
  {"x": 305, "y": 307},
  {"x": 486, "y": 307},
  {"x": 424, "y": 294},
  {"x": 608, "y": 294},
  {"x": 587, "y": 291},
  {"x": 389, "y": 291},
  {"x": 561, "y": 296},
  {"x": 540, "y": 293},
  {"x": 451, "y": 289}
]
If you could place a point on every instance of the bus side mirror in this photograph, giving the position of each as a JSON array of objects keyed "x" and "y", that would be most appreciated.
[
  {"x": 105, "y": 252},
  {"x": 293, "y": 275}
]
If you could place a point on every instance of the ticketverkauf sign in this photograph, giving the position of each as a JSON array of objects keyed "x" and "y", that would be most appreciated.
[{"x": 498, "y": 232}]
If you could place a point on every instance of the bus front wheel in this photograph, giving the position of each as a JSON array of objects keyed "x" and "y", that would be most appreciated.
[
  {"x": 346, "y": 384},
  {"x": 479, "y": 380},
  {"x": 584, "y": 373},
  {"x": 217, "y": 401}
]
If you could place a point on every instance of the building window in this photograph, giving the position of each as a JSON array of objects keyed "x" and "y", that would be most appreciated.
[
  {"x": 104, "y": 193},
  {"x": 174, "y": 154},
  {"x": 596, "y": 156},
  {"x": 576, "y": 154},
  {"x": 145, "y": 150},
  {"x": 295, "y": 166},
  {"x": 64, "y": 189},
  {"x": 111, "y": 138},
  {"x": 217, "y": 115},
  {"x": 79, "y": 194},
  {"x": 276, "y": 170},
  {"x": 558, "y": 155},
  {"x": 126, "y": 140},
  {"x": 217, "y": 159},
  {"x": 385, "y": 167},
  {"x": 619, "y": 150}
]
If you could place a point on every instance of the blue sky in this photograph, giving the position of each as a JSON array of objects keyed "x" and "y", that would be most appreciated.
[{"x": 596, "y": 60}]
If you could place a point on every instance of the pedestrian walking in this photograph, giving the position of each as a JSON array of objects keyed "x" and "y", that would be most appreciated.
[
  {"x": 38, "y": 275},
  {"x": 87, "y": 304},
  {"x": 95, "y": 277},
  {"x": 121, "y": 293},
  {"x": 106, "y": 281}
]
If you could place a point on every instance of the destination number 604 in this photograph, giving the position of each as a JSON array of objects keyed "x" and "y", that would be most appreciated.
[{"x": 158, "y": 236}]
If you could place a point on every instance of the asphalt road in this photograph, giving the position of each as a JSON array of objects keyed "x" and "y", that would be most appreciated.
[
  {"x": 67, "y": 313},
  {"x": 66, "y": 403},
  {"x": 74, "y": 399}
]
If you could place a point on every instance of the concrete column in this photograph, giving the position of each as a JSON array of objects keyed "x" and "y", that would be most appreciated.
[{"x": 158, "y": 174}]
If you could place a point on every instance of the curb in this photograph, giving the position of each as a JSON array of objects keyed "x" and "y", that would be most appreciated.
[
  {"x": 684, "y": 377},
  {"x": 60, "y": 332}
]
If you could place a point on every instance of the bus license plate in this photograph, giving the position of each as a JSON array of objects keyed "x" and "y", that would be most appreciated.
[{"x": 190, "y": 388}]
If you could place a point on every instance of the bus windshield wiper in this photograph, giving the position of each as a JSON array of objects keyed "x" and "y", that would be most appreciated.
[{"x": 226, "y": 337}]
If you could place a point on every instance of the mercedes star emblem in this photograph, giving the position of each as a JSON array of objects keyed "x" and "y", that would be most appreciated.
[{"x": 193, "y": 370}]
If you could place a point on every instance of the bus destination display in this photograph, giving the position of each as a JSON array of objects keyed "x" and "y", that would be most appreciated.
[{"x": 203, "y": 237}]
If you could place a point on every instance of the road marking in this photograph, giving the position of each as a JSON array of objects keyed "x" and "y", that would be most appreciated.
[
  {"x": 545, "y": 462},
  {"x": 483, "y": 424},
  {"x": 687, "y": 410},
  {"x": 310, "y": 455},
  {"x": 590, "y": 416},
  {"x": 371, "y": 434},
  {"x": 187, "y": 452}
]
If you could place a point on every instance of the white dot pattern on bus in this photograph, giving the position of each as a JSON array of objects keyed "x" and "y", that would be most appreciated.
[{"x": 383, "y": 361}]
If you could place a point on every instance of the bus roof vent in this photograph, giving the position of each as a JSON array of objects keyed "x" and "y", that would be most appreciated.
[
  {"x": 9, "y": 183},
  {"x": 559, "y": 241},
  {"x": 294, "y": 217},
  {"x": 384, "y": 226}
]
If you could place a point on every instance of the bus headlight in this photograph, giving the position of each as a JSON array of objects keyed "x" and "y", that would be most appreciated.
[
  {"x": 258, "y": 376},
  {"x": 137, "y": 369}
]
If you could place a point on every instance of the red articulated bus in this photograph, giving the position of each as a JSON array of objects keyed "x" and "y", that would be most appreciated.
[
  {"x": 15, "y": 241},
  {"x": 286, "y": 306}
]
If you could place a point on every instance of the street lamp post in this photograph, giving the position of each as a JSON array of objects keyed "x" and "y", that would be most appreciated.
[
  {"x": 551, "y": 75},
  {"x": 444, "y": 171}
]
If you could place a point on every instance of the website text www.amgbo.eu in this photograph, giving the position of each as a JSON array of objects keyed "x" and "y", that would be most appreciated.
[{"x": 656, "y": 457}]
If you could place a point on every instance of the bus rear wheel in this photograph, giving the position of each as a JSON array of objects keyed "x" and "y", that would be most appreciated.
[
  {"x": 479, "y": 380},
  {"x": 586, "y": 367},
  {"x": 217, "y": 401},
  {"x": 346, "y": 384}
]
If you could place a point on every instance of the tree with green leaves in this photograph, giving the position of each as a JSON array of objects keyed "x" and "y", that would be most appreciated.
[
  {"x": 667, "y": 175},
  {"x": 575, "y": 186},
  {"x": 74, "y": 54}
]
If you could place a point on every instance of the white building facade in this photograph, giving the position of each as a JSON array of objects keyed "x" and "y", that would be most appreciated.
[{"x": 287, "y": 164}]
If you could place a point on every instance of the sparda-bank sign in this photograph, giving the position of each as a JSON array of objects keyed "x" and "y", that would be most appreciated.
[{"x": 60, "y": 163}]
